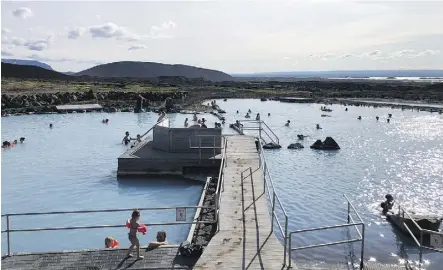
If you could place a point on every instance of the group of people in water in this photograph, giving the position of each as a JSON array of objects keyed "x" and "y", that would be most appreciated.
[
  {"x": 8, "y": 144},
  {"x": 134, "y": 226},
  {"x": 127, "y": 139}
]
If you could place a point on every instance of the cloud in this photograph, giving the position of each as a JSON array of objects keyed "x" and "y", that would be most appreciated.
[
  {"x": 137, "y": 47},
  {"x": 39, "y": 45},
  {"x": 163, "y": 30},
  {"x": 22, "y": 12},
  {"x": 412, "y": 53},
  {"x": 111, "y": 30},
  {"x": 5, "y": 53},
  {"x": 75, "y": 33},
  {"x": 13, "y": 41},
  {"x": 5, "y": 31},
  {"x": 344, "y": 56}
]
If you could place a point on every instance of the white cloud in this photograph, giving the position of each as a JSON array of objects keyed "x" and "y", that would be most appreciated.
[
  {"x": 111, "y": 30},
  {"x": 5, "y": 31},
  {"x": 6, "y": 53},
  {"x": 412, "y": 53},
  {"x": 75, "y": 33},
  {"x": 163, "y": 30},
  {"x": 137, "y": 47},
  {"x": 23, "y": 12}
]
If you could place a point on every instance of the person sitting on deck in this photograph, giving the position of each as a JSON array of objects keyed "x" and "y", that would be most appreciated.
[
  {"x": 111, "y": 242},
  {"x": 161, "y": 240},
  {"x": 287, "y": 123},
  {"x": 126, "y": 139},
  {"x": 388, "y": 204}
]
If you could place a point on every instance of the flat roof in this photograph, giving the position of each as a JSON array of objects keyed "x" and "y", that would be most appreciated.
[{"x": 79, "y": 107}]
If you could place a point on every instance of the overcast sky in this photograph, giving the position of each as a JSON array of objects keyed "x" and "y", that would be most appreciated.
[{"x": 232, "y": 36}]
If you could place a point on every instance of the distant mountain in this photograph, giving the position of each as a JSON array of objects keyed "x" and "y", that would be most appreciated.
[
  {"x": 152, "y": 70},
  {"x": 70, "y": 73},
  {"x": 348, "y": 73},
  {"x": 27, "y": 63},
  {"x": 30, "y": 72}
]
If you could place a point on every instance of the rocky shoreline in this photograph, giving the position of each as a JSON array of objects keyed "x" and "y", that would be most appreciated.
[
  {"x": 20, "y": 99},
  {"x": 203, "y": 233}
]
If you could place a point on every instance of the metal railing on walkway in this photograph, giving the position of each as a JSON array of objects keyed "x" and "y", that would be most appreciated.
[
  {"x": 350, "y": 223},
  {"x": 438, "y": 236},
  {"x": 275, "y": 201},
  {"x": 206, "y": 142},
  {"x": 273, "y": 198},
  {"x": 261, "y": 127},
  {"x": 8, "y": 217}
]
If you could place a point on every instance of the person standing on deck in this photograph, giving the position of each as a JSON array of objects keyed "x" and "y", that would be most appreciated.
[{"x": 132, "y": 235}]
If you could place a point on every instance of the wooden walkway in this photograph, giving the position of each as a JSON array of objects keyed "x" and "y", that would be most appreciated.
[{"x": 245, "y": 240}]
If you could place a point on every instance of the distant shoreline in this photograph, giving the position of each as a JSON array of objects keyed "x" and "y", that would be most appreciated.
[{"x": 41, "y": 96}]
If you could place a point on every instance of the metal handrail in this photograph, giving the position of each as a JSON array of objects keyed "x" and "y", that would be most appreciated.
[
  {"x": 260, "y": 129},
  {"x": 350, "y": 223},
  {"x": 268, "y": 185},
  {"x": 221, "y": 183},
  {"x": 9, "y": 230},
  {"x": 419, "y": 243}
]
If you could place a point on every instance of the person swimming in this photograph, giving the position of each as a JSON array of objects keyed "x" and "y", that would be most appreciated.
[
  {"x": 377, "y": 118},
  {"x": 247, "y": 115},
  {"x": 287, "y": 123},
  {"x": 195, "y": 117},
  {"x": 186, "y": 122},
  {"x": 388, "y": 204},
  {"x": 318, "y": 126},
  {"x": 22, "y": 139},
  {"x": 50, "y": 125},
  {"x": 126, "y": 139},
  {"x": 388, "y": 120},
  {"x": 359, "y": 118},
  {"x": 269, "y": 114},
  {"x": 257, "y": 117}
]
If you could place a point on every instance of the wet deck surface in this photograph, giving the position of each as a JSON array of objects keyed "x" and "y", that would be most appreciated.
[
  {"x": 160, "y": 258},
  {"x": 245, "y": 240}
]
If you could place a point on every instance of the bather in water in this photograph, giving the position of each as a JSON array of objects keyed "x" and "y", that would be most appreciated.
[{"x": 287, "y": 123}]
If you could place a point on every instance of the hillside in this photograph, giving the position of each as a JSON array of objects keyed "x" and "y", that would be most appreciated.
[
  {"x": 30, "y": 72},
  {"x": 152, "y": 70},
  {"x": 27, "y": 63},
  {"x": 347, "y": 73}
]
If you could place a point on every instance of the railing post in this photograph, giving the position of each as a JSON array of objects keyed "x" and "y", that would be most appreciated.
[
  {"x": 7, "y": 235},
  {"x": 421, "y": 248},
  {"x": 200, "y": 148},
  {"x": 273, "y": 208},
  {"x": 349, "y": 211},
  {"x": 259, "y": 129},
  {"x": 290, "y": 251},
  {"x": 286, "y": 240},
  {"x": 214, "y": 151},
  {"x": 362, "y": 246}
]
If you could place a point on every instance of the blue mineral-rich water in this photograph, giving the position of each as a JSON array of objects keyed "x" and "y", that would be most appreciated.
[{"x": 73, "y": 167}]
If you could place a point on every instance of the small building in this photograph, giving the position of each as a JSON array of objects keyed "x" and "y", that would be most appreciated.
[
  {"x": 173, "y": 151},
  {"x": 79, "y": 107}
]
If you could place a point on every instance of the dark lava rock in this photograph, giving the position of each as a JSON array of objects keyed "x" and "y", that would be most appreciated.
[
  {"x": 328, "y": 144},
  {"x": 271, "y": 146},
  {"x": 295, "y": 146}
]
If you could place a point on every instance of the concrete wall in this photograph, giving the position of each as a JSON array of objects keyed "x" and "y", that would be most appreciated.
[
  {"x": 138, "y": 166},
  {"x": 176, "y": 140}
]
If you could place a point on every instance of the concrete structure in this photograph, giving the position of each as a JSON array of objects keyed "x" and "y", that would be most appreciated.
[
  {"x": 296, "y": 100},
  {"x": 173, "y": 151},
  {"x": 79, "y": 107}
]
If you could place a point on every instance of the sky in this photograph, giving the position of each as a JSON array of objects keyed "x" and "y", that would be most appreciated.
[{"x": 231, "y": 36}]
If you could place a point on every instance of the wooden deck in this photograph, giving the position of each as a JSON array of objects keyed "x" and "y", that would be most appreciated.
[{"x": 245, "y": 240}]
